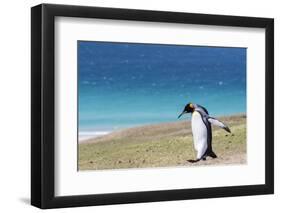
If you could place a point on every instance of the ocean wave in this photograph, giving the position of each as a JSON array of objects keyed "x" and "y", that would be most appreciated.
[{"x": 91, "y": 134}]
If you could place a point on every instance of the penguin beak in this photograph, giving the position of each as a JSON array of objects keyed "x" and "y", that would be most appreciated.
[{"x": 181, "y": 114}]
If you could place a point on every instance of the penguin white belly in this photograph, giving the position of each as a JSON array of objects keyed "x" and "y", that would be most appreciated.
[{"x": 199, "y": 132}]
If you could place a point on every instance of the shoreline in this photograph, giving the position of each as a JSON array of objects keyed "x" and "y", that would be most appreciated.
[
  {"x": 99, "y": 136},
  {"x": 89, "y": 135}
]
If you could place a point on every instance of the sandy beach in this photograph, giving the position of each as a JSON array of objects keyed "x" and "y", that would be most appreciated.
[{"x": 161, "y": 145}]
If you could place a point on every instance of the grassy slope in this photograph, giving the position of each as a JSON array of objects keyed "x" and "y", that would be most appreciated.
[{"x": 168, "y": 144}]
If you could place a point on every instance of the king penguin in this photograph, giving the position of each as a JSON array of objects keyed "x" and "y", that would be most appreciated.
[{"x": 202, "y": 130}]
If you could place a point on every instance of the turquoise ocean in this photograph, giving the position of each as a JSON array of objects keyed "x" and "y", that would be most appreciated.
[{"x": 122, "y": 85}]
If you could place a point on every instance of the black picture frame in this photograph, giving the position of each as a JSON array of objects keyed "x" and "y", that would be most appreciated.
[{"x": 43, "y": 111}]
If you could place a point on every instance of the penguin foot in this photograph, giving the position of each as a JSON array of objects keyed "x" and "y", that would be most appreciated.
[
  {"x": 204, "y": 158},
  {"x": 213, "y": 155},
  {"x": 193, "y": 161}
]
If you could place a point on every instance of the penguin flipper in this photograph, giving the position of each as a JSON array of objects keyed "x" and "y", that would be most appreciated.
[{"x": 218, "y": 123}]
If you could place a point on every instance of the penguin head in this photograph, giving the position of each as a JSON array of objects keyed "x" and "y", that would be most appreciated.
[{"x": 187, "y": 109}]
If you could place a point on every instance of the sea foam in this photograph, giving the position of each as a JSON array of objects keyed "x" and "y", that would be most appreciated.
[{"x": 91, "y": 134}]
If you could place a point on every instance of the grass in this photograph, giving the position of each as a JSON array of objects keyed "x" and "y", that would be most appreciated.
[{"x": 162, "y": 145}]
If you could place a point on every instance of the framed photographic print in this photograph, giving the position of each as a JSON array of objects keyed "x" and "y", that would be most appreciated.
[{"x": 140, "y": 106}]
